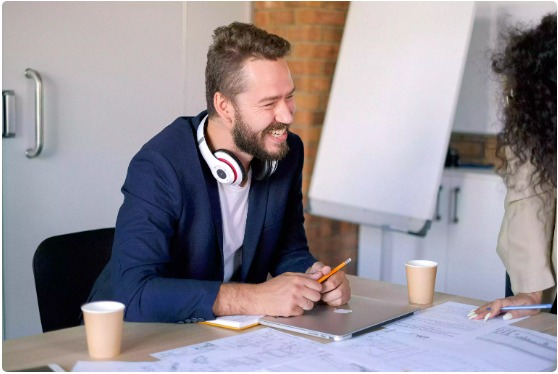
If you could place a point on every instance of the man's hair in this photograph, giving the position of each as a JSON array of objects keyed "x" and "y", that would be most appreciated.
[
  {"x": 528, "y": 64},
  {"x": 232, "y": 46}
]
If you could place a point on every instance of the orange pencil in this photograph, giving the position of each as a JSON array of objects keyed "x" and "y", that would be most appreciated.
[{"x": 337, "y": 268}]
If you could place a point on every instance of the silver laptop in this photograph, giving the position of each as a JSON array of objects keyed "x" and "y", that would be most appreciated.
[{"x": 359, "y": 316}]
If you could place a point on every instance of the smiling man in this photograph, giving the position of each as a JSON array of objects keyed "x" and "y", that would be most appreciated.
[{"x": 213, "y": 203}]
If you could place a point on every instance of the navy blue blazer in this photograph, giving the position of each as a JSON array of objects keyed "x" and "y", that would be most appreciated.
[{"x": 167, "y": 257}]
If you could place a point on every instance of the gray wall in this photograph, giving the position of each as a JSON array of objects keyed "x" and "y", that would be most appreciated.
[{"x": 114, "y": 74}]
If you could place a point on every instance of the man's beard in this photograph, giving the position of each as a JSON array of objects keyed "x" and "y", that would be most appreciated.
[{"x": 250, "y": 142}]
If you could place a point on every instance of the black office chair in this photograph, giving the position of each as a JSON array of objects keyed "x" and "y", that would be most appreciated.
[
  {"x": 509, "y": 292},
  {"x": 65, "y": 268}
]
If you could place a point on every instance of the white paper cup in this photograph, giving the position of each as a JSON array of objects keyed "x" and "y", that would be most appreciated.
[
  {"x": 104, "y": 322},
  {"x": 421, "y": 278}
]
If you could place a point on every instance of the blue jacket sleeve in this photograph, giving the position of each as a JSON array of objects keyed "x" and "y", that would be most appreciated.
[{"x": 142, "y": 271}]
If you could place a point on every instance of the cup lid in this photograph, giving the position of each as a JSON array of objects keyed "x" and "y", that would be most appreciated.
[
  {"x": 102, "y": 307},
  {"x": 421, "y": 263}
]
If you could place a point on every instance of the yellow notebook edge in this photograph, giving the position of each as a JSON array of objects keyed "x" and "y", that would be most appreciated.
[{"x": 230, "y": 327}]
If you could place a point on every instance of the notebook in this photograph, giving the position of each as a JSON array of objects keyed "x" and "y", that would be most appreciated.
[
  {"x": 359, "y": 316},
  {"x": 238, "y": 322}
]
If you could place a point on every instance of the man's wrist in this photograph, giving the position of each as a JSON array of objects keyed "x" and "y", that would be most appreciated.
[{"x": 235, "y": 298}]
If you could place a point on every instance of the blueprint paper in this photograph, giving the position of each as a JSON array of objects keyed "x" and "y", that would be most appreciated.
[
  {"x": 247, "y": 352},
  {"x": 123, "y": 366},
  {"x": 448, "y": 321},
  {"x": 440, "y": 339}
]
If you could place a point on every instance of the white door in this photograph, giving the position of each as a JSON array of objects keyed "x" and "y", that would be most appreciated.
[{"x": 113, "y": 76}]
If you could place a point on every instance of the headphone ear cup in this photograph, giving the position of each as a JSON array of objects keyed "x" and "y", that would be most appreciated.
[
  {"x": 263, "y": 169},
  {"x": 273, "y": 167},
  {"x": 224, "y": 165},
  {"x": 230, "y": 166}
]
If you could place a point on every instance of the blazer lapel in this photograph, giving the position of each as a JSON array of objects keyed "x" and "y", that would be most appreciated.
[
  {"x": 257, "y": 202},
  {"x": 215, "y": 204}
]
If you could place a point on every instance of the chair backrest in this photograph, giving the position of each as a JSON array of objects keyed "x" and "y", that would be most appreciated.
[{"x": 65, "y": 268}]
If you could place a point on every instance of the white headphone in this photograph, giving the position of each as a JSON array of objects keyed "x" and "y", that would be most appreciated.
[{"x": 226, "y": 167}]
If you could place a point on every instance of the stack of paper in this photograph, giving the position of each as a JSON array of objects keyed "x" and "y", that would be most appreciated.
[{"x": 239, "y": 322}]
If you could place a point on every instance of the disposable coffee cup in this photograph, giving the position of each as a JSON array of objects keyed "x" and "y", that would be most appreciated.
[
  {"x": 421, "y": 278},
  {"x": 103, "y": 328}
]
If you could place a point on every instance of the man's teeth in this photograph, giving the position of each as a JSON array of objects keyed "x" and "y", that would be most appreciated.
[{"x": 278, "y": 133}]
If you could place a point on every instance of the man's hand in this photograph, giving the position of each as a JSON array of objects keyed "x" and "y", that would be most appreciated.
[
  {"x": 288, "y": 294},
  {"x": 336, "y": 289}
]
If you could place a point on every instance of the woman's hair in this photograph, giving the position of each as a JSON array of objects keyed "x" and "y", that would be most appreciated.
[
  {"x": 232, "y": 46},
  {"x": 528, "y": 66}
]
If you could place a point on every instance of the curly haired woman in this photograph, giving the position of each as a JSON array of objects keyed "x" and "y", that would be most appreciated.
[{"x": 527, "y": 146}]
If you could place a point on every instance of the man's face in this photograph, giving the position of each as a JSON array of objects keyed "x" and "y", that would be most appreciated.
[
  {"x": 265, "y": 110},
  {"x": 253, "y": 142}
]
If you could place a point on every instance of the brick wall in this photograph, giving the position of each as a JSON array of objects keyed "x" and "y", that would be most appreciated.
[
  {"x": 478, "y": 149},
  {"x": 314, "y": 29}
]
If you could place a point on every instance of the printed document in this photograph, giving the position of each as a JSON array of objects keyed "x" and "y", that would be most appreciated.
[
  {"x": 448, "y": 322},
  {"x": 441, "y": 338}
]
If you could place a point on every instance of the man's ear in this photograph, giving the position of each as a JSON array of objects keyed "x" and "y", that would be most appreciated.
[{"x": 224, "y": 108}]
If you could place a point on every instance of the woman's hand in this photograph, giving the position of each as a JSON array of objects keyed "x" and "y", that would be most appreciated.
[{"x": 491, "y": 310}]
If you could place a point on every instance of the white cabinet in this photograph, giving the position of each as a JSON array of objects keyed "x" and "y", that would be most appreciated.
[
  {"x": 473, "y": 267},
  {"x": 462, "y": 239}
]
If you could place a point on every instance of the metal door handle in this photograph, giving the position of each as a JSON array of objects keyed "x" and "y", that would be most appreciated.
[
  {"x": 34, "y": 152},
  {"x": 437, "y": 215},
  {"x": 456, "y": 191},
  {"x": 8, "y": 117}
]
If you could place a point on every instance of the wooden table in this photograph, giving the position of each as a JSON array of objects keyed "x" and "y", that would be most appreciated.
[{"x": 66, "y": 347}]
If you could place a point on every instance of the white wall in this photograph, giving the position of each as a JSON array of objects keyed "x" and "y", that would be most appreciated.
[
  {"x": 477, "y": 106},
  {"x": 114, "y": 74},
  {"x": 202, "y": 17}
]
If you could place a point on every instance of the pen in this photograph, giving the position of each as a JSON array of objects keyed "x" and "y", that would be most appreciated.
[
  {"x": 525, "y": 307},
  {"x": 337, "y": 268}
]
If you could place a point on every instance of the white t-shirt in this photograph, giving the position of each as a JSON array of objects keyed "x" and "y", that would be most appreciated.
[{"x": 234, "y": 210}]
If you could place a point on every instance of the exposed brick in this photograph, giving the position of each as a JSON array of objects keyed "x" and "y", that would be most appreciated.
[
  {"x": 259, "y": 5},
  {"x": 283, "y": 17},
  {"x": 304, "y": 4},
  {"x": 312, "y": 233},
  {"x": 316, "y": 50},
  {"x": 310, "y": 151},
  {"x": 315, "y": 30},
  {"x": 304, "y": 33},
  {"x": 347, "y": 228},
  {"x": 308, "y": 169},
  {"x": 337, "y": 5},
  {"x": 262, "y": 19},
  {"x": 326, "y": 229},
  {"x": 312, "y": 83},
  {"x": 475, "y": 148},
  {"x": 321, "y": 16},
  {"x": 307, "y": 101},
  {"x": 271, "y": 18},
  {"x": 305, "y": 117},
  {"x": 280, "y": 30},
  {"x": 305, "y": 185},
  {"x": 332, "y": 34},
  {"x": 308, "y": 134},
  {"x": 329, "y": 67},
  {"x": 306, "y": 67}
]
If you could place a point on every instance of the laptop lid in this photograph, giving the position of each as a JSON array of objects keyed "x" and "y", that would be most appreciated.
[{"x": 359, "y": 315}]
